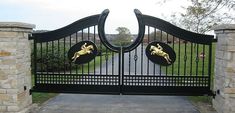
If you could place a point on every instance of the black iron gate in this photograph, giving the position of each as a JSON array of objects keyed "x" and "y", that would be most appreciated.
[{"x": 163, "y": 59}]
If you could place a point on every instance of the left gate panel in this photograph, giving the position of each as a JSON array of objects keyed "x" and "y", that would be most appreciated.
[{"x": 56, "y": 71}]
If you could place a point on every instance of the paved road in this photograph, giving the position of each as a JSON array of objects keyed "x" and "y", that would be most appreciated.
[
  {"x": 131, "y": 63},
  {"x": 85, "y": 103}
]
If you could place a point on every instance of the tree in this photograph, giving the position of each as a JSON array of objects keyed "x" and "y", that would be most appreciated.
[
  {"x": 123, "y": 37},
  {"x": 202, "y": 15}
]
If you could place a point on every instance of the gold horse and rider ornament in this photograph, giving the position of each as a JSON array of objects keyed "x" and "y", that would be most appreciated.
[
  {"x": 158, "y": 50},
  {"x": 84, "y": 50}
]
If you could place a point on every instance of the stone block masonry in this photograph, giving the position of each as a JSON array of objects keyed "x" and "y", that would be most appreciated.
[
  {"x": 224, "y": 80},
  {"x": 15, "y": 70}
]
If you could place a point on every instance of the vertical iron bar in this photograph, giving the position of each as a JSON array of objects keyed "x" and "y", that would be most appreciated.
[
  {"x": 203, "y": 60},
  {"x": 185, "y": 57},
  {"x": 197, "y": 60},
  {"x": 154, "y": 65},
  {"x": 129, "y": 62},
  {"x": 82, "y": 64},
  {"x": 94, "y": 36},
  {"x": 88, "y": 37},
  {"x": 120, "y": 70},
  {"x": 35, "y": 61},
  {"x": 82, "y": 70},
  {"x": 53, "y": 75},
  {"x": 122, "y": 75},
  {"x": 101, "y": 58},
  {"x": 135, "y": 58},
  {"x": 173, "y": 80},
  {"x": 76, "y": 43},
  {"x": 70, "y": 64},
  {"x": 64, "y": 57},
  {"x": 167, "y": 44},
  {"x": 203, "y": 64},
  {"x": 41, "y": 61},
  {"x": 112, "y": 63},
  {"x": 185, "y": 60},
  {"x": 160, "y": 73},
  {"x": 106, "y": 60},
  {"x": 70, "y": 44},
  {"x": 174, "y": 50},
  {"x": 142, "y": 48},
  {"x": 148, "y": 43},
  {"x": 167, "y": 81},
  {"x": 179, "y": 58},
  {"x": 128, "y": 79},
  {"x": 191, "y": 59},
  {"x": 141, "y": 62},
  {"x": 191, "y": 64},
  {"x": 209, "y": 65},
  {"x": 94, "y": 42},
  {"x": 179, "y": 63},
  {"x": 58, "y": 52},
  {"x": 64, "y": 77},
  {"x": 47, "y": 65}
]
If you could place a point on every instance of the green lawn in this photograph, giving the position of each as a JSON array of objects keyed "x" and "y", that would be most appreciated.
[
  {"x": 188, "y": 61},
  {"x": 40, "y": 98}
]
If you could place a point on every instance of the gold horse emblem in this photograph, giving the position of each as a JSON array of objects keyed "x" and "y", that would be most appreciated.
[
  {"x": 158, "y": 50},
  {"x": 84, "y": 50}
]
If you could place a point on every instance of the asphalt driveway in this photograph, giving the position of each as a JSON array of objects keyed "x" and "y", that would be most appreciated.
[{"x": 90, "y": 103}]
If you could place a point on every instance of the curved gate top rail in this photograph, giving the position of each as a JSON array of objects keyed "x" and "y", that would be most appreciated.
[
  {"x": 177, "y": 32},
  {"x": 67, "y": 30},
  {"x": 143, "y": 20},
  {"x": 122, "y": 70}
]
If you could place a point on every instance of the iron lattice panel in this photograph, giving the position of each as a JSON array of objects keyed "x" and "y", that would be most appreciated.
[
  {"x": 188, "y": 81},
  {"x": 77, "y": 79}
]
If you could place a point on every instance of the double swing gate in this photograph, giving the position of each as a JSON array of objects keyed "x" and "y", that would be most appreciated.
[{"x": 162, "y": 60}]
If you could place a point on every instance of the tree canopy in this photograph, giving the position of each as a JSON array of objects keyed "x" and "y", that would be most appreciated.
[
  {"x": 201, "y": 15},
  {"x": 123, "y": 37}
]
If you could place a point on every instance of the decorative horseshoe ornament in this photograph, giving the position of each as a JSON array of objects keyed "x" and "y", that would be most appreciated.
[{"x": 136, "y": 42}]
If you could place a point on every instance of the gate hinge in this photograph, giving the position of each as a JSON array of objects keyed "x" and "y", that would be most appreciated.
[
  {"x": 30, "y": 91},
  {"x": 30, "y": 36},
  {"x": 214, "y": 93}
]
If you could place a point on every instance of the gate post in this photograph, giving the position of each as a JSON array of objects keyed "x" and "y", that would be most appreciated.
[
  {"x": 224, "y": 79},
  {"x": 15, "y": 71}
]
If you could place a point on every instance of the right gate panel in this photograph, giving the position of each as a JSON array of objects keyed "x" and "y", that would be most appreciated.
[{"x": 189, "y": 74}]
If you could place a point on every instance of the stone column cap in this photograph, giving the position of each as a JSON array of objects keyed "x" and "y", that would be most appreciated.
[
  {"x": 16, "y": 25},
  {"x": 224, "y": 27}
]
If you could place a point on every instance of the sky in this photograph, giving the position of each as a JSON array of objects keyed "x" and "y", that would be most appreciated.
[{"x": 54, "y": 14}]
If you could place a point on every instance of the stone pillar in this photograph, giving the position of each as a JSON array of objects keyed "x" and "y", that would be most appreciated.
[
  {"x": 15, "y": 70},
  {"x": 224, "y": 80}
]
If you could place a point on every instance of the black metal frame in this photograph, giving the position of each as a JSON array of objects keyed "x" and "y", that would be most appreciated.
[{"x": 132, "y": 81}]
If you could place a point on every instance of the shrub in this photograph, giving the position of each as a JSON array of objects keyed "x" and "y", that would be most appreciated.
[{"x": 52, "y": 58}]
